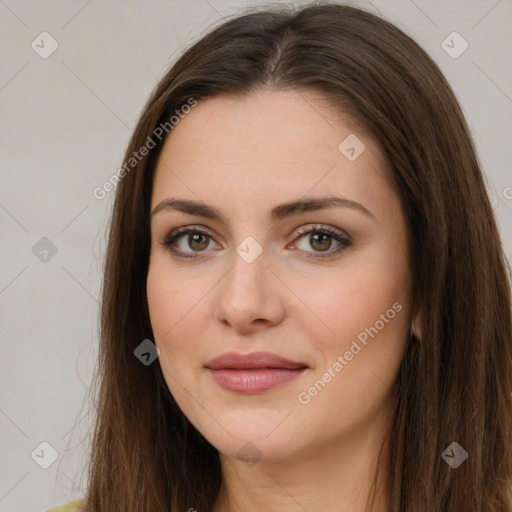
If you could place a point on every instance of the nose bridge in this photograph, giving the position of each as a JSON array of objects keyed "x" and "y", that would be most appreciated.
[
  {"x": 249, "y": 257},
  {"x": 247, "y": 293},
  {"x": 247, "y": 275}
]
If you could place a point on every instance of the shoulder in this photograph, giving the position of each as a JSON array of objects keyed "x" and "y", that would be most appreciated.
[{"x": 72, "y": 506}]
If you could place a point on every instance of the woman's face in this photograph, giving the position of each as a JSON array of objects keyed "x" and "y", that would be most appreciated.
[{"x": 256, "y": 279}]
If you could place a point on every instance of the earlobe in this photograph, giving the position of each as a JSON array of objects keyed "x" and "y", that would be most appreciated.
[{"x": 416, "y": 328}]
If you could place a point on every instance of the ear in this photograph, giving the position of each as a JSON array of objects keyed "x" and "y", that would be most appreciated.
[{"x": 417, "y": 326}]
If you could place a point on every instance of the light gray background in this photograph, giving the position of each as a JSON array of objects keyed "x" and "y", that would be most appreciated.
[{"x": 65, "y": 121}]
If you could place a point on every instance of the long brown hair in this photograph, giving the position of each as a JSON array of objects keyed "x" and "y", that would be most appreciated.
[{"x": 454, "y": 384}]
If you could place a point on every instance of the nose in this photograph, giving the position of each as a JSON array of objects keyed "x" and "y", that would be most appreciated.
[{"x": 250, "y": 297}]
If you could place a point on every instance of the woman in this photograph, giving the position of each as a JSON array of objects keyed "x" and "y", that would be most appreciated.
[{"x": 306, "y": 305}]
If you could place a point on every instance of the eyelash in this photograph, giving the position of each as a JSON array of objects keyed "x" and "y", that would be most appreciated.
[{"x": 174, "y": 235}]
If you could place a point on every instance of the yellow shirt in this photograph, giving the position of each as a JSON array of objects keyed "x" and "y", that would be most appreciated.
[{"x": 72, "y": 506}]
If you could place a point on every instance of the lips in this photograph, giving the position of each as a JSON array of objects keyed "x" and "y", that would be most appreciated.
[
  {"x": 255, "y": 360},
  {"x": 253, "y": 373}
]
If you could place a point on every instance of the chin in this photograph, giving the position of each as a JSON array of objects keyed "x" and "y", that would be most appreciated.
[{"x": 250, "y": 438}]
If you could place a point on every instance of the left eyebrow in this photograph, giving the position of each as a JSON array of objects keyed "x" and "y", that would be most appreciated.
[
  {"x": 277, "y": 213},
  {"x": 313, "y": 204}
]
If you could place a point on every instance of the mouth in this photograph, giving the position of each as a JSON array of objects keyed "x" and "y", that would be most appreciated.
[
  {"x": 253, "y": 373},
  {"x": 254, "y": 380}
]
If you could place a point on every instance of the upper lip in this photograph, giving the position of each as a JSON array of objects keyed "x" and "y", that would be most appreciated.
[{"x": 234, "y": 360}]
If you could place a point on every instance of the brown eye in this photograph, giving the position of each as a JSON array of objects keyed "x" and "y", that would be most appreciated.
[
  {"x": 197, "y": 240},
  {"x": 321, "y": 239}
]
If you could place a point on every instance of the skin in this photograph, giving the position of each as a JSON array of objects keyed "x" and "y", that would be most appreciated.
[{"x": 244, "y": 156}]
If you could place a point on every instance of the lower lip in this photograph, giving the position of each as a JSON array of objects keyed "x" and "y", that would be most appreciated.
[{"x": 255, "y": 380}]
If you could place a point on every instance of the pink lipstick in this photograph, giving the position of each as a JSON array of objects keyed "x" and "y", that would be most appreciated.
[{"x": 253, "y": 373}]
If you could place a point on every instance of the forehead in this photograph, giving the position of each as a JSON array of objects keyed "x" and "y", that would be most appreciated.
[{"x": 272, "y": 146}]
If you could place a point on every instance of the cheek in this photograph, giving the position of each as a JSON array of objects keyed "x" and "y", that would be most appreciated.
[
  {"x": 354, "y": 299},
  {"x": 178, "y": 322},
  {"x": 369, "y": 315},
  {"x": 162, "y": 293},
  {"x": 178, "y": 310},
  {"x": 172, "y": 298}
]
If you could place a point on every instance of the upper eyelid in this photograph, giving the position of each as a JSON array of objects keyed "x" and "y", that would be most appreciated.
[
  {"x": 302, "y": 231},
  {"x": 319, "y": 226},
  {"x": 305, "y": 229},
  {"x": 184, "y": 230}
]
